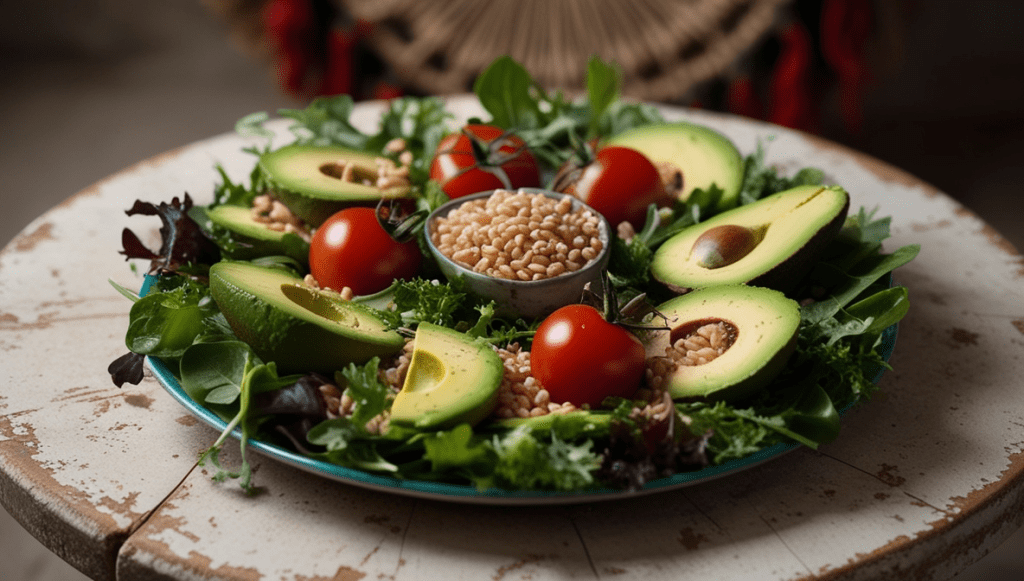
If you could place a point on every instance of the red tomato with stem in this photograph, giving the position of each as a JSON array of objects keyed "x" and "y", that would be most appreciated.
[
  {"x": 351, "y": 249},
  {"x": 483, "y": 157},
  {"x": 619, "y": 182},
  {"x": 580, "y": 357}
]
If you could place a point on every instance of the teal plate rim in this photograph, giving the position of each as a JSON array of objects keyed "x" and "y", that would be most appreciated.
[{"x": 465, "y": 493}]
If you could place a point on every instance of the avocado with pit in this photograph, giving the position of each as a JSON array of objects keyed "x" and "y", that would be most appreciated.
[
  {"x": 248, "y": 239},
  {"x": 452, "y": 379},
  {"x": 772, "y": 242},
  {"x": 311, "y": 180},
  {"x": 300, "y": 328},
  {"x": 704, "y": 157},
  {"x": 758, "y": 335}
]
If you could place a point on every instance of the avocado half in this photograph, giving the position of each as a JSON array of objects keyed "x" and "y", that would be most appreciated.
[
  {"x": 704, "y": 155},
  {"x": 766, "y": 324},
  {"x": 452, "y": 379},
  {"x": 298, "y": 327},
  {"x": 253, "y": 238},
  {"x": 787, "y": 232},
  {"x": 307, "y": 179}
]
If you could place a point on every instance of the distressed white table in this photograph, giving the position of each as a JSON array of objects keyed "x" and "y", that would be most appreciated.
[{"x": 923, "y": 480}]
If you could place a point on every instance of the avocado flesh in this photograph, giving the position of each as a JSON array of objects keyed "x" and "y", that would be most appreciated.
[
  {"x": 305, "y": 178},
  {"x": 793, "y": 228},
  {"x": 766, "y": 324},
  {"x": 299, "y": 328},
  {"x": 452, "y": 379},
  {"x": 705, "y": 156},
  {"x": 254, "y": 238}
]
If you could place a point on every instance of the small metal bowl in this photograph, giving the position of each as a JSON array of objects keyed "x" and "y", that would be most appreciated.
[{"x": 516, "y": 298}]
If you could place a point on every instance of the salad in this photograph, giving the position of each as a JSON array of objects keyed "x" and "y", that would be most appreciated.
[{"x": 728, "y": 309}]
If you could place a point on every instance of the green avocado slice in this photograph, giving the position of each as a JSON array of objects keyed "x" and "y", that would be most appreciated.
[
  {"x": 704, "y": 156},
  {"x": 452, "y": 379},
  {"x": 765, "y": 324},
  {"x": 308, "y": 179},
  {"x": 253, "y": 239},
  {"x": 298, "y": 327},
  {"x": 785, "y": 233}
]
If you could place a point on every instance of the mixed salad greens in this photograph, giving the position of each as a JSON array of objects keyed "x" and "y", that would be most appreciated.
[{"x": 837, "y": 355}]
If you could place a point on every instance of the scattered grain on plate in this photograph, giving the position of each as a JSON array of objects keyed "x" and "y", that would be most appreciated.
[
  {"x": 392, "y": 373},
  {"x": 521, "y": 395}
]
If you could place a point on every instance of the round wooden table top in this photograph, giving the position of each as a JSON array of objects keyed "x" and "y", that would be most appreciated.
[{"x": 923, "y": 480}]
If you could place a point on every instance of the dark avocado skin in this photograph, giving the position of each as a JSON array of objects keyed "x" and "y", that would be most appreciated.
[
  {"x": 787, "y": 275},
  {"x": 282, "y": 333}
]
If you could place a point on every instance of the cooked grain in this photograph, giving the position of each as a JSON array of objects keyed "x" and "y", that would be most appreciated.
[
  {"x": 704, "y": 344},
  {"x": 519, "y": 236},
  {"x": 520, "y": 394}
]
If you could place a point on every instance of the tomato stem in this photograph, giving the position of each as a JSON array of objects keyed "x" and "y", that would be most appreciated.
[
  {"x": 400, "y": 226},
  {"x": 632, "y": 315}
]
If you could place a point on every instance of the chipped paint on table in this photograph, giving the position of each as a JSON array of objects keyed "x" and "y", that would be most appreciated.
[{"x": 923, "y": 480}]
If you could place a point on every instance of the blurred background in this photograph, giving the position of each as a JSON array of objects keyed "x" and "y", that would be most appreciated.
[{"x": 94, "y": 86}]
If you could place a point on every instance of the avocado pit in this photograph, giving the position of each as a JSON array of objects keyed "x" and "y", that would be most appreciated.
[{"x": 724, "y": 245}]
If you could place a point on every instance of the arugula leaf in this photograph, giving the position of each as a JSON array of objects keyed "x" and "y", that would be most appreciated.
[
  {"x": 850, "y": 284},
  {"x": 348, "y": 444},
  {"x": 868, "y": 317},
  {"x": 325, "y": 121},
  {"x": 809, "y": 418},
  {"x": 760, "y": 180},
  {"x": 861, "y": 236},
  {"x": 228, "y": 192},
  {"x": 252, "y": 125}
]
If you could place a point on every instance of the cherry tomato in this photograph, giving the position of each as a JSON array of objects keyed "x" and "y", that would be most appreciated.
[
  {"x": 619, "y": 182},
  {"x": 496, "y": 160},
  {"x": 581, "y": 358},
  {"x": 351, "y": 249}
]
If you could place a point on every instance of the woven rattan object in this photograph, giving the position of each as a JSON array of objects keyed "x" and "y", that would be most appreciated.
[{"x": 665, "y": 47}]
